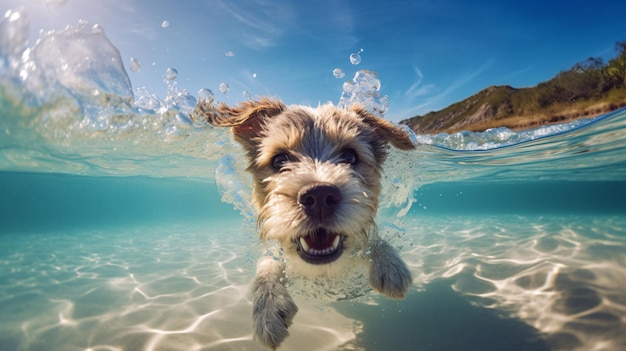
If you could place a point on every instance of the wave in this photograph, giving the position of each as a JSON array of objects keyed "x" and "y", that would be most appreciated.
[{"x": 68, "y": 106}]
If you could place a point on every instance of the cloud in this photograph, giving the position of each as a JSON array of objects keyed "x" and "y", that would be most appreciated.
[
  {"x": 258, "y": 24},
  {"x": 409, "y": 107},
  {"x": 413, "y": 88}
]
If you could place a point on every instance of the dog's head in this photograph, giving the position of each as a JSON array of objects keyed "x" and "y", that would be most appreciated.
[{"x": 316, "y": 172}]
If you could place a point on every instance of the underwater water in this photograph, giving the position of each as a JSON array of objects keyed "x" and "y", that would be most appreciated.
[{"x": 126, "y": 226}]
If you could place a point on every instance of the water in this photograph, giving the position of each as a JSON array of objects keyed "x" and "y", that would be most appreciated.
[{"x": 115, "y": 235}]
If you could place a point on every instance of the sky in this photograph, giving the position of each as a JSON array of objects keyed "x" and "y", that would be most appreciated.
[{"x": 428, "y": 54}]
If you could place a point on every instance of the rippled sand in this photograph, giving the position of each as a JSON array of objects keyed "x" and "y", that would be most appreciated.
[{"x": 514, "y": 283}]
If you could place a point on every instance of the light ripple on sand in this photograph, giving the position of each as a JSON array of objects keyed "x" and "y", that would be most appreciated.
[
  {"x": 186, "y": 287},
  {"x": 151, "y": 289},
  {"x": 564, "y": 275}
]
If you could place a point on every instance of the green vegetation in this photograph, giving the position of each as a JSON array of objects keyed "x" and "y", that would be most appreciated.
[{"x": 588, "y": 89}]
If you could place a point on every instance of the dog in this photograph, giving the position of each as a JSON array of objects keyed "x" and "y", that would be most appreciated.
[{"x": 316, "y": 182}]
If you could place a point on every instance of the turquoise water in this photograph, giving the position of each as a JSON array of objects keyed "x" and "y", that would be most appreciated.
[{"x": 125, "y": 226}]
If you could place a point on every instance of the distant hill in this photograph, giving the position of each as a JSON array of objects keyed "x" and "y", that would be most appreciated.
[{"x": 588, "y": 89}]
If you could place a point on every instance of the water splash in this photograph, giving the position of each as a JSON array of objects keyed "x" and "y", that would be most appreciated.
[
  {"x": 235, "y": 186},
  {"x": 364, "y": 89},
  {"x": 13, "y": 38},
  {"x": 496, "y": 138},
  {"x": 77, "y": 70}
]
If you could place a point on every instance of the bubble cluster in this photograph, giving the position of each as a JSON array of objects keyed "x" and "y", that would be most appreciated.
[
  {"x": 339, "y": 73},
  {"x": 364, "y": 89},
  {"x": 224, "y": 88},
  {"x": 135, "y": 64}
]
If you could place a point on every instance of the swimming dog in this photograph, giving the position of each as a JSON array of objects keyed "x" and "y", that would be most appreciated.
[{"x": 316, "y": 182}]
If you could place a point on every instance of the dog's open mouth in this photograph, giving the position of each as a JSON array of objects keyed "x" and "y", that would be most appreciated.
[{"x": 320, "y": 246}]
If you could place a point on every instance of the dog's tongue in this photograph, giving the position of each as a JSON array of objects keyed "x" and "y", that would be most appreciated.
[{"x": 320, "y": 239}]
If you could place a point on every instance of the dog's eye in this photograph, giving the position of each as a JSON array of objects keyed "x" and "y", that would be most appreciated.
[
  {"x": 280, "y": 160},
  {"x": 348, "y": 156}
]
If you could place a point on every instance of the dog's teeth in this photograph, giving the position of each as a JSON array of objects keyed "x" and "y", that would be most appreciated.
[
  {"x": 336, "y": 242},
  {"x": 316, "y": 252},
  {"x": 305, "y": 246}
]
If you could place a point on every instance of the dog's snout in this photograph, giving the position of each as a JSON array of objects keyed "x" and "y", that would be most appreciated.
[{"x": 319, "y": 200}]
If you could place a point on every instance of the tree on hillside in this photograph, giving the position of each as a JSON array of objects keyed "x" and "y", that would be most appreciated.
[
  {"x": 616, "y": 68},
  {"x": 586, "y": 79}
]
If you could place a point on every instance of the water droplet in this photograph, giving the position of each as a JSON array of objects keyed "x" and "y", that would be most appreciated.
[
  {"x": 224, "y": 88},
  {"x": 165, "y": 24},
  {"x": 205, "y": 96},
  {"x": 355, "y": 57},
  {"x": 171, "y": 74},
  {"x": 339, "y": 73},
  {"x": 135, "y": 65},
  {"x": 97, "y": 29},
  {"x": 229, "y": 53}
]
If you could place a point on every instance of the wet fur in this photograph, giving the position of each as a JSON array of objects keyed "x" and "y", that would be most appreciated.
[{"x": 315, "y": 138}]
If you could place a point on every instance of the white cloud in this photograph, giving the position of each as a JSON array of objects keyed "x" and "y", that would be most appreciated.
[
  {"x": 261, "y": 23},
  {"x": 409, "y": 107}
]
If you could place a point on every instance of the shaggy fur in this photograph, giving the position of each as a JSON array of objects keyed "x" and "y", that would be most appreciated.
[{"x": 316, "y": 181}]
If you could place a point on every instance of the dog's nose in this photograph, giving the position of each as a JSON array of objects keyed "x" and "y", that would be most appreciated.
[{"x": 319, "y": 200}]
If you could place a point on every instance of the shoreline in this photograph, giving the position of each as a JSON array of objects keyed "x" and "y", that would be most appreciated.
[{"x": 524, "y": 122}]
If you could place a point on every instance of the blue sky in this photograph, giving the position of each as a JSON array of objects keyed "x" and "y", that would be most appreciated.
[{"x": 428, "y": 54}]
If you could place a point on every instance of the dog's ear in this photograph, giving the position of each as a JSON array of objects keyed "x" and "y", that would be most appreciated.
[
  {"x": 391, "y": 133},
  {"x": 246, "y": 119}
]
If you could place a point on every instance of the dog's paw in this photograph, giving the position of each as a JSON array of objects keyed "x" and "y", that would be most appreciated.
[
  {"x": 388, "y": 274},
  {"x": 273, "y": 312}
]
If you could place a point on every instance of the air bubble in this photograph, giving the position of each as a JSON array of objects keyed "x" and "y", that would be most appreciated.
[
  {"x": 224, "y": 88},
  {"x": 229, "y": 53},
  {"x": 205, "y": 96},
  {"x": 135, "y": 65},
  {"x": 97, "y": 29},
  {"x": 171, "y": 74},
  {"x": 253, "y": 75},
  {"x": 165, "y": 24},
  {"x": 339, "y": 73},
  {"x": 247, "y": 95},
  {"x": 355, "y": 58}
]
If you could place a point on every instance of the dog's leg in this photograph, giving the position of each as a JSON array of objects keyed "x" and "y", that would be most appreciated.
[
  {"x": 273, "y": 308},
  {"x": 388, "y": 274}
]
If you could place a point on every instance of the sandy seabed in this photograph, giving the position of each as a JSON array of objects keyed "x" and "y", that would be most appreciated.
[{"x": 481, "y": 283}]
